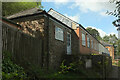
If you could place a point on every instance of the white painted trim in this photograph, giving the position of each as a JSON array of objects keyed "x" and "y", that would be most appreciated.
[{"x": 69, "y": 50}]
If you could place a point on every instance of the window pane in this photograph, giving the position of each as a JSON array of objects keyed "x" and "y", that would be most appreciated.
[
  {"x": 88, "y": 41},
  {"x": 83, "y": 39},
  {"x": 92, "y": 43},
  {"x": 58, "y": 33}
]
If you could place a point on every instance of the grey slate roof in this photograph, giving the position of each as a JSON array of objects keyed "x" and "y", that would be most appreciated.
[{"x": 25, "y": 12}]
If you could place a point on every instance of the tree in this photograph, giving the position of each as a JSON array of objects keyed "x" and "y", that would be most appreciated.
[
  {"x": 94, "y": 33},
  {"x": 112, "y": 39},
  {"x": 116, "y": 12},
  {"x": 106, "y": 38},
  {"x": 9, "y": 8},
  {"x": 118, "y": 48}
]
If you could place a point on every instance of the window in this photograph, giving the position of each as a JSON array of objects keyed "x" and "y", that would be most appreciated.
[
  {"x": 88, "y": 41},
  {"x": 59, "y": 33},
  {"x": 95, "y": 45},
  {"x": 68, "y": 39},
  {"x": 83, "y": 39},
  {"x": 92, "y": 43}
]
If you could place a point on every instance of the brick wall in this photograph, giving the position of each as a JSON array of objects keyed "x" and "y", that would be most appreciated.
[
  {"x": 111, "y": 50},
  {"x": 85, "y": 49}
]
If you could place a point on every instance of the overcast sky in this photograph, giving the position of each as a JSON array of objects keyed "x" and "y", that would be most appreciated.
[{"x": 89, "y": 13}]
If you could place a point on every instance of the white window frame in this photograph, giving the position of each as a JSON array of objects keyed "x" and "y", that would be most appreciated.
[
  {"x": 83, "y": 39},
  {"x": 68, "y": 43},
  {"x": 59, "y": 33},
  {"x": 88, "y": 42}
]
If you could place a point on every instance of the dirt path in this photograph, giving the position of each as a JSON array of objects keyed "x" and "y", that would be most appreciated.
[{"x": 114, "y": 73}]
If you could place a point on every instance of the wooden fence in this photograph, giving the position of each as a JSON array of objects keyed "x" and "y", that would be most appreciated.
[{"x": 24, "y": 48}]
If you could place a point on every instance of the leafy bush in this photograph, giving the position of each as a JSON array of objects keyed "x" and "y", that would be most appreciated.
[
  {"x": 75, "y": 67},
  {"x": 10, "y": 70},
  {"x": 36, "y": 72},
  {"x": 65, "y": 68}
]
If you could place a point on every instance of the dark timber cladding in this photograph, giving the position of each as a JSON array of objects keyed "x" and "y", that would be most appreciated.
[{"x": 25, "y": 48}]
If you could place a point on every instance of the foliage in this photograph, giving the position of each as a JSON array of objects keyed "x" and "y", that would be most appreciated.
[
  {"x": 65, "y": 68},
  {"x": 112, "y": 39},
  {"x": 116, "y": 12},
  {"x": 118, "y": 48},
  {"x": 10, "y": 70},
  {"x": 9, "y": 8},
  {"x": 76, "y": 69},
  {"x": 94, "y": 33},
  {"x": 94, "y": 54},
  {"x": 73, "y": 67},
  {"x": 119, "y": 63},
  {"x": 106, "y": 38},
  {"x": 35, "y": 72}
]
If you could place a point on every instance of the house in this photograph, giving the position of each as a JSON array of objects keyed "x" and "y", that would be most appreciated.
[
  {"x": 87, "y": 43},
  {"x": 61, "y": 35},
  {"x": 110, "y": 48},
  {"x": 59, "y": 39}
]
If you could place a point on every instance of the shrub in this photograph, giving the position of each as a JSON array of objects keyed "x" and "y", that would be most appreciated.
[
  {"x": 76, "y": 67},
  {"x": 10, "y": 70}
]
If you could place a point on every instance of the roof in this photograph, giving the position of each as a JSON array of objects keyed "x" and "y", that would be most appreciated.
[
  {"x": 62, "y": 18},
  {"x": 30, "y": 12},
  {"x": 35, "y": 11},
  {"x": 106, "y": 44},
  {"x": 7, "y": 20},
  {"x": 25, "y": 12}
]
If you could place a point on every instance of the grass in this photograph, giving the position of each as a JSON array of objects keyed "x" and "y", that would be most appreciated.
[
  {"x": 86, "y": 74},
  {"x": 116, "y": 63}
]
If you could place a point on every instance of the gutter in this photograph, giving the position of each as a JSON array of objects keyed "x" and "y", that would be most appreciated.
[{"x": 11, "y": 22}]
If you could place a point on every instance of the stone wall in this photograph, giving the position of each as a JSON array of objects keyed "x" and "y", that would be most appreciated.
[
  {"x": 102, "y": 64},
  {"x": 58, "y": 48}
]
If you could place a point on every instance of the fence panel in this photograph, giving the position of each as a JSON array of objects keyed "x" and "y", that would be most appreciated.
[{"x": 24, "y": 48}]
